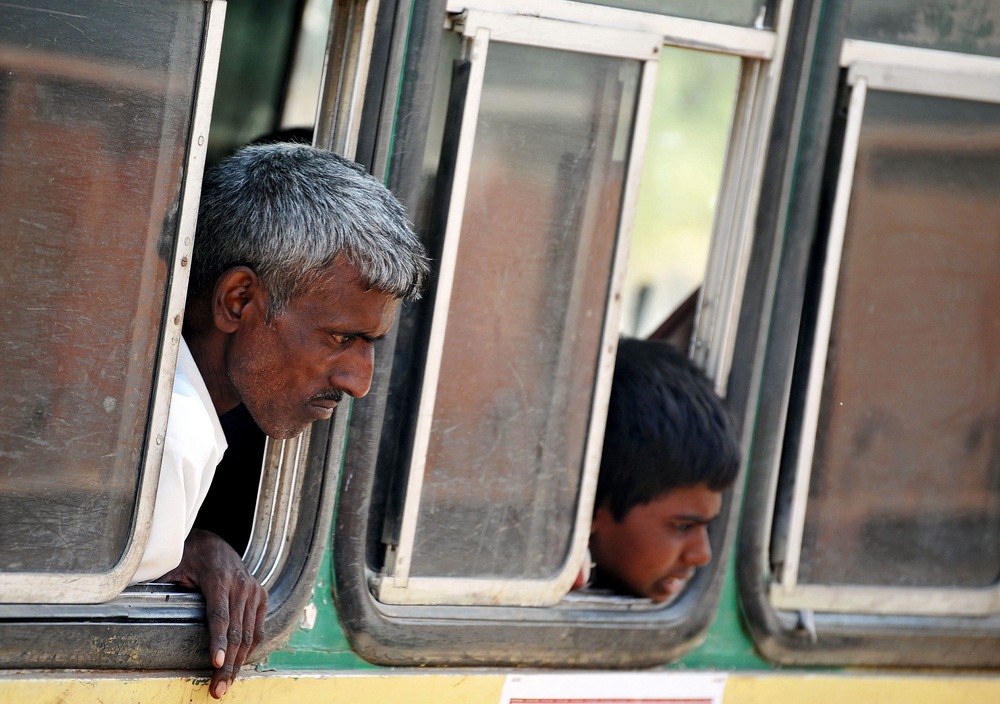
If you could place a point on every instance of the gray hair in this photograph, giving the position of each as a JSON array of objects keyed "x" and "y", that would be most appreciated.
[{"x": 288, "y": 210}]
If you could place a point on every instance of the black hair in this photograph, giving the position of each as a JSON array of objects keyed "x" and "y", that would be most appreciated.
[{"x": 666, "y": 428}]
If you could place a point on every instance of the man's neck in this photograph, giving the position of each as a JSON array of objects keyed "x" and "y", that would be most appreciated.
[{"x": 209, "y": 352}]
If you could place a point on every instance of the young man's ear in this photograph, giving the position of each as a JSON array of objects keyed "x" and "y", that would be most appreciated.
[
  {"x": 237, "y": 292},
  {"x": 602, "y": 515}
]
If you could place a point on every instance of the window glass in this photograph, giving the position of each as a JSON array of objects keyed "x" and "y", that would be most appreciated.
[
  {"x": 905, "y": 485},
  {"x": 253, "y": 74},
  {"x": 738, "y": 12},
  {"x": 968, "y": 26},
  {"x": 527, "y": 314},
  {"x": 307, "y": 72},
  {"x": 93, "y": 122},
  {"x": 679, "y": 188}
]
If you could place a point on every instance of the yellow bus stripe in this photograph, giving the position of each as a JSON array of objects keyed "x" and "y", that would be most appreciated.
[{"x": 471, "y": 688}]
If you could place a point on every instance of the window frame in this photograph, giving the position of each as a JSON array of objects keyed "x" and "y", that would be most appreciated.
[
  {"x": 916, "y": 72},
  {"x": 564, "y": 634},
  {"x": 479, "y": 29},
  {"x": 163, "y": 626},
  {"x": 821, "y": 624}
]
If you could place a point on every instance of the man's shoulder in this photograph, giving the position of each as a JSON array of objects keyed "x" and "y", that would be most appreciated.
[
  {"x": 190, "y": 429},
  {"x": 193, "y": 427}
]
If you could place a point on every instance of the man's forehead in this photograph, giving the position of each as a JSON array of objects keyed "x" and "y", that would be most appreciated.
[{"x": 366, "y": 311}]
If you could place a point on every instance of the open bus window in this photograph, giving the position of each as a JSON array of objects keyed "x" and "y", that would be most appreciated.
[
  {"x": 497, "y": 480},
  {"x": 306, "y": 73},
  {"x": 679, "y": 189},
  {"x": 104, "y": 108},
  {"x": 494, "y": 492},
  {"x": 472, "y": 491},
  {"x": 96, "y": 124}
]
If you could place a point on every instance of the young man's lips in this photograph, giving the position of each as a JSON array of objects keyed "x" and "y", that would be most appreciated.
[{"x": 673, "y": 584}]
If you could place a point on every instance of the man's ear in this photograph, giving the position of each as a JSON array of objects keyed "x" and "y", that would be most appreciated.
[{"x": 237, "y": 293}]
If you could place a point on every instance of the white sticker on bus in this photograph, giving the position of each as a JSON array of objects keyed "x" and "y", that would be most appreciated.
[{"x": 615, "y": 688}]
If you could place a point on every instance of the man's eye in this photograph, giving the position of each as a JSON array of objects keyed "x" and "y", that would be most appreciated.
[
  {"x": 340, "y": 338},
  {"x": 682, "y": 527}
]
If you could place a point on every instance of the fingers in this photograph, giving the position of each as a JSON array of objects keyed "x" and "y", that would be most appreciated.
[
  {"x": 252, "y": 627},
  {"x": 235, "y": 604},
  {"x": 218, "y": 613},
  {"x": 242, "y": 632}
]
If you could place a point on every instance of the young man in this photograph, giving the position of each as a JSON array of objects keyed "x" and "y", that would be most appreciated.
[
  {"x": 300, "y": 263},
  {"x": 669, "y": 452}
]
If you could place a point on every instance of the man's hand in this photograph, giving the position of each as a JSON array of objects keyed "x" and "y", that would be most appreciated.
[{"x": 235, "y": 603}]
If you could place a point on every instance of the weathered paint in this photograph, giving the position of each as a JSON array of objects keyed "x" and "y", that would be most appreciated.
[
  {"x": 252, "y": 688},
  {"x": 768, "y": 688},
  {"x": 726, "y": 644}
]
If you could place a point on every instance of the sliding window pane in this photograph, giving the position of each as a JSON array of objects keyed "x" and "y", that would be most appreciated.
[
  {"x": 906, "y": 477},
  {"x": 526, "y": 315},
  {"x": 95, "y": 101}
]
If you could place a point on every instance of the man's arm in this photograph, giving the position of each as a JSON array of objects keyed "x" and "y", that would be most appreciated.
[{"x": 235, "y": 603}]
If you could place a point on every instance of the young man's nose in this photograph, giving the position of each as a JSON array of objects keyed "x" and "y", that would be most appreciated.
[
  {"x": 698, "y": 551},
  {"x": 353, "y": 369}
]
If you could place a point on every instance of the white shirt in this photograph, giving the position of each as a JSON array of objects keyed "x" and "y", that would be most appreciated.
[{"x": 193, "y": 447}]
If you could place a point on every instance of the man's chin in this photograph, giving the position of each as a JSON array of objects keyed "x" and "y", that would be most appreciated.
[
  {"x": 282, "y": 430},
  {"x": 289, "y": 430},
  {"x": 286, "y": 434}
]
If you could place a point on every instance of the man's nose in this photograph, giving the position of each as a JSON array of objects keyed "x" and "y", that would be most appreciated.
[
  {"x": 353, "y": 369},
  {"x": 698, "y": 551}
]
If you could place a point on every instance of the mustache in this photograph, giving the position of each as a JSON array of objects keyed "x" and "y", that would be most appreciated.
[{"x": 335, "y": 395}]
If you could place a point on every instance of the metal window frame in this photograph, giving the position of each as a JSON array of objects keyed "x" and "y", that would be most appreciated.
[
  {"x": 90, "y": 588},
  {"x": 296, "y": 504},
  {"x": 873, "y": 66},
  {"x": 479, "y": 30},
  {"x": 676, "y": 31},
  {"x": 343, "y": 85},
  {"x": 599, "y": 632}
]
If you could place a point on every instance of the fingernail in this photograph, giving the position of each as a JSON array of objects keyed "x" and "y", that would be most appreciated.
[
  {"x": 221, "y": 690},
  {"x": 220, "y": 658}
]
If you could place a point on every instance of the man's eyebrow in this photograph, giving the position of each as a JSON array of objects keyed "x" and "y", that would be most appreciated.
[{"x": 368, "y": 337}]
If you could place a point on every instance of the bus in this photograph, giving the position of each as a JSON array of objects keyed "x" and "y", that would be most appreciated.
[{"x": 803, "y": 195}]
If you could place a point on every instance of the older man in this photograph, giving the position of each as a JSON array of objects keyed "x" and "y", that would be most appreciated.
[{"x": 300, "y": 262}]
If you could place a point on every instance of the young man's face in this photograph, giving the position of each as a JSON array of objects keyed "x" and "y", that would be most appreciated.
[
  {"x": 292, "y": 370},
  {"x": 656, "y": 548}
]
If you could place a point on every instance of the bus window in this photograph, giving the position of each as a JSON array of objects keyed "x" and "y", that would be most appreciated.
[
  {"x": 900, "y": 427},
  {"x": 106, "y": 127},
  {"x": 876, "y": 450},
  {"x": 253, "y": 70},
  {"x": 679, "y": 189},
  {"x": 469, "y": 483},
  {"x": 544, "y": 191},
  {"x": 306, "y": 71},
  {"x": 96, "y": 129}
]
